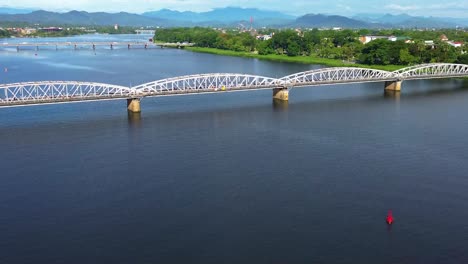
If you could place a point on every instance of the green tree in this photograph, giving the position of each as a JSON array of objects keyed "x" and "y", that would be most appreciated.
[
  {"x": 443, "y": 52},
  {"x": 293, "y": 48},
  {"x": 4, "y": 34},
  {"x": 406, "y": 58},
  {"x": 265, "y": 47},
  {"x": 248, "y": 41},
  {"x": 352, "y": 50},
  {"x": 463, "y": 59},
  {"x": 376, "y": 52},
  {"x": 325, "y": 48}
]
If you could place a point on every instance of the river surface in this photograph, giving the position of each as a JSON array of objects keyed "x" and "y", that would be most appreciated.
[{"x": 231, "y": 177}]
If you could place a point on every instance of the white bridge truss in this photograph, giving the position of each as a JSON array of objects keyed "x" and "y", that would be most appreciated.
[
  {"x": 435, "y": 70},
  {"x": 71, "y": 91},
  {"x": 206, "y": 83},
  {"x": 59, "y": 91},
  {"x": 337, "y": 75}
]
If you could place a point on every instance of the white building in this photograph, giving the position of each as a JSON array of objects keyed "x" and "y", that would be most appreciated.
[
  {"x": 367, "y": 39},
  {"x": 264, "y": 37},
  {"x": 456, "y": 44}
]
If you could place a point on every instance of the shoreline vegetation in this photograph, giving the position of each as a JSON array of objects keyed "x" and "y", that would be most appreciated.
[
  {"x": 377, "y": 49},
  {"x": 34, "y": 32},
  {"x": 295, "y": 59},
  {"x": 302, "y": 59}
]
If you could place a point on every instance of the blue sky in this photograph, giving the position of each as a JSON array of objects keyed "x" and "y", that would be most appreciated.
[{"x": 295, "y": 7}]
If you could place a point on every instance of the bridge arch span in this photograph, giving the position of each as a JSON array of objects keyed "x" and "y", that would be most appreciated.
[
  {"x": 59, "y": 91},
  {"x": 433, "y": 70},
  {"x": 209, "y": 82},
  {"x": 336, "y": 75}
]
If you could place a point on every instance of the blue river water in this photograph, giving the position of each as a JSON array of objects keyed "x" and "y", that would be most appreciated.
[{"x": 230, "y": 177}]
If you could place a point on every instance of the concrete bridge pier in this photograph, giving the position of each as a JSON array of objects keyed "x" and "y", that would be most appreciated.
[
  {"x": 281, "y": 93},
  {"x": 393, "y": 86},
  {"x": 133, "y": 105}
]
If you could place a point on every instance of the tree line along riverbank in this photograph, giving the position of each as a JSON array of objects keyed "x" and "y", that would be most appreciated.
[{"x": 391, "y": 49}]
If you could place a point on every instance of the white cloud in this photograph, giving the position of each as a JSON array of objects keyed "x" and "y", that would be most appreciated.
[
  {"x": 454, "y": 9},
  {"x": 402, "y": 7}
]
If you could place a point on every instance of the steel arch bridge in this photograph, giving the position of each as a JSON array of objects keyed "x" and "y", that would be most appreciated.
[
  {"x": 59, "y": 91},
  {"x": 336, "y": 76},
  {"x": 432, "y": 71},
  {"x": 200, "y": 83},
  {"x": 48, "y": 92}
]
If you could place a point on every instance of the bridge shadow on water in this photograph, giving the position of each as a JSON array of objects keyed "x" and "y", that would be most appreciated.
[
  {"x": 439, "y": 87},
  {"x": 164, "y": 112},
  {"x": 226, "y": 106}
]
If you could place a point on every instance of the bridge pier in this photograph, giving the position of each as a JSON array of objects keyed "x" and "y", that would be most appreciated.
[
  {"x": 393, "y": 86},
  {"x": 281, "y": 93},
  {"x": 133, "y": 105}
]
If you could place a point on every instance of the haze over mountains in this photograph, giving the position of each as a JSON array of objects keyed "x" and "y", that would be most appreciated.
[{"x": 229, "y": 16}]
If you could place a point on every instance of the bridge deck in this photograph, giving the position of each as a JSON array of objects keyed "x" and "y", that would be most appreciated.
[
  {"x": 64, "y": 99},
  {"x": 71, "y": 91}
]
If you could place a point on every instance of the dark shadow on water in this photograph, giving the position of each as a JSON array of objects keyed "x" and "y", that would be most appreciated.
[
  {"x": 392, "y": 95},
  {"x": 435, "y": 92},
  {"x": 280, "y": 105},
  {"x": 134, "y": 119},
  {"x": 389, "y": 227}
]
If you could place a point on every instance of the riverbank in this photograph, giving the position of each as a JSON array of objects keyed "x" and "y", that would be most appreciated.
[{"x": 296, "y": 59}]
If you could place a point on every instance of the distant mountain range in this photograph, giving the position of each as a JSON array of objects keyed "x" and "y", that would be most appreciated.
[
  {"x": 224, "y": 15},
  {"x": 83, "y": 18},
  {"x": 227, "y": 17},
  {"x": 319, "y": 20},
  {"x": 407, "y": 21}
]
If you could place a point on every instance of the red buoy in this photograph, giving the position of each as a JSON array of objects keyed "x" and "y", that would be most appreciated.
[{"x": 389, "y": 218}]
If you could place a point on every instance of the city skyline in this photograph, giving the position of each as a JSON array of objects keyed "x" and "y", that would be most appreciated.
[{"x": 415, "y": 8}]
